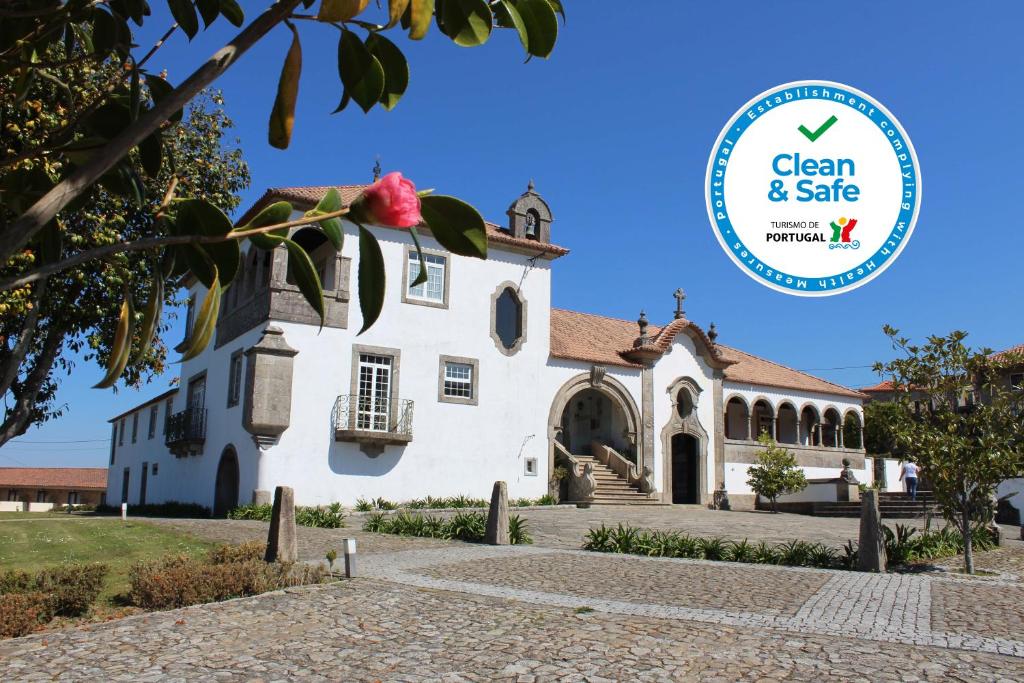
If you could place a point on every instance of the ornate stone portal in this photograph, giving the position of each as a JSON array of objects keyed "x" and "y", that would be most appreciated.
[
  {"x": 268, "y": 387},
  {"x": 684, "y": 394}
]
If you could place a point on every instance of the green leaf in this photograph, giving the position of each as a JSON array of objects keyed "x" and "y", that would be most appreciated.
[
  {"x": 372, "y": 279},
  {"x": 420, "y": 14},
  {"x": 151, "y": 154},
  {"x": 205, "y": 322},
  {"x": 232, "y": 12},
  {"x": 455, "y": 224},
  {"x": 396, "y": 10},
  {"x": 282, "y": 117},
  {"x": 134, "y": 92},
  {"x": 558, "y": 7},
  {"x": 361, "y": 73},
  {"x": 340, "y": 10},
  {"x": 185, "y": 14},
  {"x": 467, "y": 22},
  {"x": 104, "y": 32},
  {"x": 160, "y": 89},
  {"x": 306, "y": 277},
  {"x": 207, "y": 260},
  {"x": 329, "y": 203},
  {"x": 208, "y": 10},
  {"x": 109, "y": 120},
  {"x": 278, "y": 212},
  {"x": 151, "y": 315},
  {"x": 541, "y": 25},
  {"x": 122, "y": 346},
  {"x": 396, "y": 69},
  {"x": 50, "y": 242},
  {"x": 507, "y": 16},
  {"x": 421, "y": 276}
]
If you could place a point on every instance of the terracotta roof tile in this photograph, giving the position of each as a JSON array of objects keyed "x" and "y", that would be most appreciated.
[
  {"x": 882, "y": 387},
  {"x": 751, "y": 369},
  {"x": 54, "y": 477},
  {"x": 598, "y": 339},
  {"x": 307, "y": 197},
  {"x": 1017, "y": 351}
]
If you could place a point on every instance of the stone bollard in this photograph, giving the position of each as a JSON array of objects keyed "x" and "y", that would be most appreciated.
[
  {"x": 497, "y": 518},
  {"x": 281, "y": 543},
  {"x": 871, "y": 552}
]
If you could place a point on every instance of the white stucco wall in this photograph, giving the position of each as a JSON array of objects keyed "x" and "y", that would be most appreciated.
[{"x": 1015, "y": 485}]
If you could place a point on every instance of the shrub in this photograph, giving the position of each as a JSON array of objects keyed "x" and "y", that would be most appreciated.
[
  {"x": 463, "y": 526},
  {"x": 547, "y": 499},
  {"x": 259, "y": 512},
  {"x": 23, "y": 613},
  {"x": 776, "y": 472},
  {"x": 363, "y": 505},
  {"x": 517, "y": 534},
  {"x": 179, "y": 580},
  {"x": 171, "y": 508},
  {"x": 72, "y": 587},
  {"x": 712, "y": 548},
  {"x": 740, "y": 551},
  {"x": 244, "y": 552},
  {"x": 598, "y": 540}
]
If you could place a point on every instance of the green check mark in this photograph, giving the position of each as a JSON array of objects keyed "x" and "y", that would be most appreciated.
[{"x": 821, "y": 129}]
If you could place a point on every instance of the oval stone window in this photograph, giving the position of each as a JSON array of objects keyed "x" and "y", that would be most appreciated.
[{"x": 508, "y": 319}]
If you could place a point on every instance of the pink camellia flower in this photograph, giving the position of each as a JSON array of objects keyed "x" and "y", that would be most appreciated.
[{"x": 391, "y": 201}]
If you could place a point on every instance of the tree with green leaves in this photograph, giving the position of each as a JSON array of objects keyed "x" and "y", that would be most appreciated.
[
  {"x": 84, "y": 111},
  {"x": 960, "y": 420},
  {"x": 775, "y": 473},
  {"x": 879, "y": 438},
  {"x": 75, "y": 310}
]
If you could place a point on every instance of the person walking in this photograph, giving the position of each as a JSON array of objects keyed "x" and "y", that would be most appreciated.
[{"x": 908, "y": 473}]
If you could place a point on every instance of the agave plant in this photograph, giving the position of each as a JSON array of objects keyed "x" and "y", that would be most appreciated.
[
  {"x": 599, "y": 539},
  {"x": 517, "y": 534},
  {"x": 363, "y": 505},
  {"x": 713, "y": 548},
  {"x": 740, "y": 551},
  {"x": 823, "y": 556},
  {"x": 766, "y": 553},
  {"x": 375, "y": 523},
  {"x": 624, "y": 539}
]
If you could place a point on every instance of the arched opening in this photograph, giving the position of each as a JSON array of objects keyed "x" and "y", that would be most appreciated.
[
  {"x": 225, "y": 497},
  {"x": 532, "y": 227},
  {"x": 685, "y": 469},
  {"x": 764, "y": 418},
  {"x": 684, "y": 403},
  {"x": 787, "y": 424},
  {"x": 830, "y": 429},
  {"x": 591, "y": 415},
  {"x": 810, "y": 429},
  {"x": 320, "y": 251},
  {"x": 852, "y": 430},
  {"x": 737, "y": 419}
]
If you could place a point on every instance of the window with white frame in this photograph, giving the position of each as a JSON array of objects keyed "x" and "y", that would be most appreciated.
[
  {"x": 135, "y": 427},
  {"x": 235, "y": 379},
  {"x": 373, "y": 409},
  {"x": 458, "y": 380},
  {"x": 120, "y": 433},
  {"x": 433, "y": 289}
]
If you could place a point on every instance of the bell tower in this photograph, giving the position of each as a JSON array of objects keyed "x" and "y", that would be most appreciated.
[{"x": 529, "y": 217}]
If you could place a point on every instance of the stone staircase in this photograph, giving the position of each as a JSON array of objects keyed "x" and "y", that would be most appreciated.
[
  {"x": 891, "y": 505},
  {"x": 613, "y": 489}
]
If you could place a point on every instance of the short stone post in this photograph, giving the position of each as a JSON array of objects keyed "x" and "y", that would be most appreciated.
[
  {"x": 497, "y": 518},
  {"x": 281, "y": 543},
  {"x": 871, "y": 552}
]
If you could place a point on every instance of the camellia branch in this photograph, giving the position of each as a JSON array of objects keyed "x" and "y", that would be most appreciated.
[
  {"x": 18, "y": 233},
  {"x": 155, "y": 243}
]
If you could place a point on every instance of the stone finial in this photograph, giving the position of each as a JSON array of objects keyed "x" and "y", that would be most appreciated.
[
  {"x": 642, "y": 323},
  {"x": 376, "y": 170},
  {"x": 712, "y": 333},
  {"x": 529, "y": 185},
  {"x": 281, "y": 539},
  {"x": 497, "y": 517},
  {"x": 680, "y": 296}
]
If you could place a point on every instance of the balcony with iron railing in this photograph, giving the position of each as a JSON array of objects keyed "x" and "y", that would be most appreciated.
[
  {"x": 185, "y": 432},
  {"x": 372, "y": 420}
]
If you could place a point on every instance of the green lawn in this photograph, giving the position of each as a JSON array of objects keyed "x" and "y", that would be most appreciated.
[{"x": 31, "y": 545}]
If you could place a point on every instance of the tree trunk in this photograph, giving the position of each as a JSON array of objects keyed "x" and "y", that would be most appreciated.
[
  {"x": 965, "y": 530},
  {"x": 775, "y": 506},
  {"x": 16, "y": 420}
]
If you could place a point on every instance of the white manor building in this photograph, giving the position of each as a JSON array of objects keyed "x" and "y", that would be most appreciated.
[{"x": 467, "y": 379}]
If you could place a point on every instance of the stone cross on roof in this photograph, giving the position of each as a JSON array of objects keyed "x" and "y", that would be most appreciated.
[{"x": 680, "y": 295}]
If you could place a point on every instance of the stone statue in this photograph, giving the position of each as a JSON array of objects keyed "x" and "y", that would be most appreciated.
[
  {"x": 847, "y": 474},
  {"x": 647, "y": 480}
]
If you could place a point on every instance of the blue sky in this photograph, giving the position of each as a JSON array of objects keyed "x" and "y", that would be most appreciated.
[{"x": 616, "y": 129}]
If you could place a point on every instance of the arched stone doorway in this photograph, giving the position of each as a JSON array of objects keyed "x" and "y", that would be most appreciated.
[
  {"x": 225, "y": 497},
  {"x": 685, "y": 469},
  {"x": 595, "y": 406}
]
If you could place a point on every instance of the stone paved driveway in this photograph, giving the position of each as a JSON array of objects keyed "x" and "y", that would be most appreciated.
[{"x": 426, "y": 610}]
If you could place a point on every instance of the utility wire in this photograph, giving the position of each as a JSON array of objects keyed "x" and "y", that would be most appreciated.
[{"x": 17, "y": 441}]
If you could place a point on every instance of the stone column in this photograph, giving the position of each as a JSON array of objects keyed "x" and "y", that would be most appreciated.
[
  {"x": 281, "y": 542},
  {"x": 497, "y": 518},
  {"x": 839, "y": 435},
  {"x": 871, "y": 551},
  {"x": 717, "y": 397},
  {"x": 750, "y": 425}
]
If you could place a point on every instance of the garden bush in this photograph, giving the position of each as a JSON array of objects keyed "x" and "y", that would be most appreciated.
[
  {"x": 459, "y": 502},
  {"x": 462, "y": 526},
  {"x": 23, "y": 613},
  {"x": 903, "y": 546},
  {"x": 72, "y": 587},
  {"x": 227, "y": 572},
  {"x": 325, "y": 517}
]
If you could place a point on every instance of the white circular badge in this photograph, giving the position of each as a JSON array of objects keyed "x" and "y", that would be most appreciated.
[{"x": 813, "y": 188}]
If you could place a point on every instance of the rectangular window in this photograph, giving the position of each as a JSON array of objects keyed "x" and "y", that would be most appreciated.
[
  {"x": 12, "y": 495},
  {"x": 153, "y": 410},
  {"x": 190, "y": 316},
  {"x": 1017, "y": 381},
  {"x": 113, "y": 443},
  {"x": 135, "y": 427},
  {"x": 40, "y": 496},
  {"x": 197, "y": 393},
  {"x": 373, "y": 406},
  {"x": 125, "y": 480},
  {"x": 120, "y": 434},
  {"x": 168, "y": 412},
  {"x": 72, "y": 497},
  {"x": 433, "y": 289},
  {"x": 235, "y": 378},
  {"x": 458, "y": 380},
  {"x": 156, "y": 469}
]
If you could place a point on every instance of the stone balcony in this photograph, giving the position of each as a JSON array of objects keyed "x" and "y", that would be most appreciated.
[{"x": 743, "y": 451}]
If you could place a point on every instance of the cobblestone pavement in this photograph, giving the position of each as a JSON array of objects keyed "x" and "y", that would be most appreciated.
[{"x": 425, "y": 610}]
